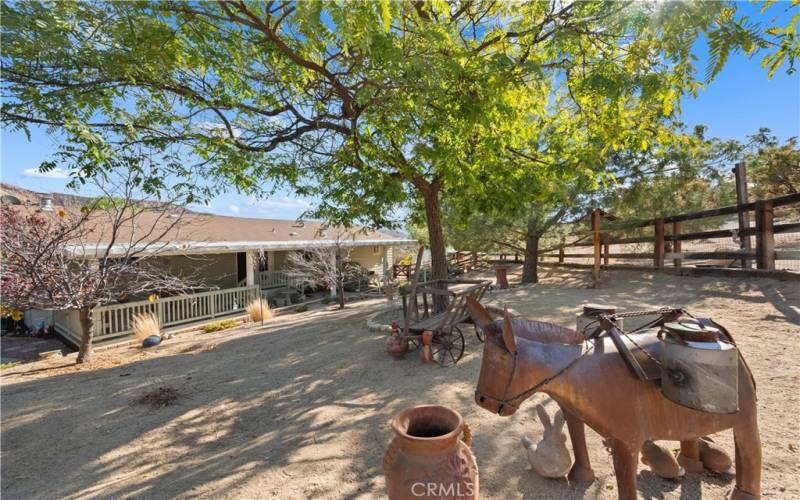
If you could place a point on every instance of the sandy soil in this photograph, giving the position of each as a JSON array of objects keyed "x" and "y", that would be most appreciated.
[{"x": 301, "y": 408}]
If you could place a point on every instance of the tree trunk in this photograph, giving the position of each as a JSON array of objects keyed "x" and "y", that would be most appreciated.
[
  {"x": 530, "y": 267},
  {"x": 87, "y": 333},
  {"x": 433, "y": 217},
  {"x": 340, "y": 293}
]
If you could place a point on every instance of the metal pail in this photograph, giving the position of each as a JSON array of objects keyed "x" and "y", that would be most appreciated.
[{"x": 703, "y": 376}]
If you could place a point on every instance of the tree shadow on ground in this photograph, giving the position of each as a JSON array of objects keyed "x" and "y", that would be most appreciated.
[{"x": 283, "y": 409}]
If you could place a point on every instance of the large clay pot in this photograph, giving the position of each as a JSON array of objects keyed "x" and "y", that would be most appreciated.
[{"x": 430, "y": 455}]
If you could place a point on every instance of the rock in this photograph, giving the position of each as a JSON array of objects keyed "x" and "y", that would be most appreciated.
[
  {"x": 151, "y": 341},
  {"x": 50, "y": 354}
]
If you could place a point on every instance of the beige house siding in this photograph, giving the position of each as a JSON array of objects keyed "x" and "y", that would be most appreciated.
[
  {"x": 367, "y": 257},
  {"x": 279, "y": 261},
  {"x": 212, "y": 269}
]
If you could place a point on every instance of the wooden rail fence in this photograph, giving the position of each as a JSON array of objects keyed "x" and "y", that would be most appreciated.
[{"x": 764, "y": 255}]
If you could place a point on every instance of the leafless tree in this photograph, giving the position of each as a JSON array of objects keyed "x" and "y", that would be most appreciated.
[
  {"x": 95, "y": 253},
  {"x": 327, "y": 265}
]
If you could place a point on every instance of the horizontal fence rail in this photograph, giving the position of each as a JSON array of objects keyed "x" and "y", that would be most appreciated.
[{"x": 669, "y": 246}]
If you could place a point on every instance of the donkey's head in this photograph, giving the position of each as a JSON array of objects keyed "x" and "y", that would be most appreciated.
[
  {"x": 518, "y": 356},
  {"x": 499, "y": 361}
]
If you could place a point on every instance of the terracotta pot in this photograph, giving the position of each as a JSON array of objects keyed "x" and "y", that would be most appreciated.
[
  {"x": 396, "y": 345},
  {"x": 501, "y": 276},
  {"x": 430, "y": 455},
  {"x": 425, "y": 354}
]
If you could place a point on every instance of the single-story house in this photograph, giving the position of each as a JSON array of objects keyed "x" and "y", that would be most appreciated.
[{"x": 236, "y": 258}]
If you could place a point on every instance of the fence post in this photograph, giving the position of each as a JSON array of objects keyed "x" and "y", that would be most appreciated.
[
  {"x": 677, "y": 227},
  {"x": 765, "y": 239},
  {"x": 560, "y": 255},
  {"x": 606, "y": 250},
  {"x": 744, "y": 216},
  {"x": 212, "y": 306},
  {"x": 597, "y": 246},
  {"x": 658, "y": 248},
  {"x": 97, "y": 323},
  {"x": 160, "y": 312}
]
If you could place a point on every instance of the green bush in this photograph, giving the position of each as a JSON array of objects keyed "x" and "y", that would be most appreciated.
[
  {"x": 219, "y": 325},
  {"x": 301, "y": 308}
]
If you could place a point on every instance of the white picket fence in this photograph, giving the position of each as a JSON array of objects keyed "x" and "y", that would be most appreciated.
[
  {"x": 116, "y": 320},
  {"x": 277, "y": 279}
]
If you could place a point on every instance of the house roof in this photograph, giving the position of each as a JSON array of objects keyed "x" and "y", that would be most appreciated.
[{"x": 196, "y": 232}]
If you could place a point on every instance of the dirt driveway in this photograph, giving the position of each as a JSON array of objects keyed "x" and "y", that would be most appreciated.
[{"x": 301, "y": 407}]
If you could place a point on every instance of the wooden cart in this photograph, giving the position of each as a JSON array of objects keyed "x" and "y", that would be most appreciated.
[{"x": 440, "y": 306}]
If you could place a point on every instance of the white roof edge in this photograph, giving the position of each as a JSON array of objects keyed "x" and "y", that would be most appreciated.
[{"x": 203, "y": 247}]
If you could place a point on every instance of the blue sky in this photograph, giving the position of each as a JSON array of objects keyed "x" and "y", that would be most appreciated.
[{"x": 736, "y": 104}]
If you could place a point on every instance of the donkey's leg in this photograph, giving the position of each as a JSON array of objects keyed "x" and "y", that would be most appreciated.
[
  {"x": 748, "y": 460},
  {"x": 581, "y": 471},
  {"x": 626, "y": 460},
  {"x": 689, "y": 457}
]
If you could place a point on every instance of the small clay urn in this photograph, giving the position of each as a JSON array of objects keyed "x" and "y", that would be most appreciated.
[
  {"x": 396, "y": 344},
  {"x": 430, "y": 455},
  {"x": 501, "y": 275},
  {"x": 425, "y": 354}
]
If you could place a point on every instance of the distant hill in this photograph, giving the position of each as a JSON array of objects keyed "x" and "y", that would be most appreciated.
[{"x": 16, "y": 195}]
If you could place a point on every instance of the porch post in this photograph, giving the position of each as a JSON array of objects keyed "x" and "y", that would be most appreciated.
[{"x": 250, "y": 280}]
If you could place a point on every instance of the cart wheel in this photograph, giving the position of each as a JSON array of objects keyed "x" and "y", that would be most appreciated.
[
  {"x": 447, "y": 348},
  {"x": 414, "y": 343},
  {"x": 479, "y": 333}
]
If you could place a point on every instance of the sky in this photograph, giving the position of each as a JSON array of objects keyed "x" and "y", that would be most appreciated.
[{"x": 736, "y": 104}]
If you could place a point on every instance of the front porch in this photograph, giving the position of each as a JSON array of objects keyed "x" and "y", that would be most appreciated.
[
  {"x": 230, "y": 281},
  {"x": 115, "y": 321}
]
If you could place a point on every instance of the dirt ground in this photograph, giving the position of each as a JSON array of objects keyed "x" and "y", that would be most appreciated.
[{"x": 300, "y": 408}]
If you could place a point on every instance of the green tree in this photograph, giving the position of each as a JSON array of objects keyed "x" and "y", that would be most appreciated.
[
  {"x": 362, "y": 104},
  {"x": 773, "y": 169}
]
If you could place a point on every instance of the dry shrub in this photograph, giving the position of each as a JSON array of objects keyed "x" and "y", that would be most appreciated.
[
  {"x": 145, "y": 325},
  {"x": 259, "y": 310}
]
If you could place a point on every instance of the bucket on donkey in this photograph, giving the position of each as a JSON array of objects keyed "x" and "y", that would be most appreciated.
[{"x": 699, "y": 370}]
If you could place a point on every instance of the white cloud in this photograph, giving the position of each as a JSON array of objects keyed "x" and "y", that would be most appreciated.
[
  {"x": 206, "y": 205},
  {"x": 284, "y": 203},
  {"x": 56, "y": 173},
  {"x": 234, "y": 208},
  {"x": 219, "y": 129}
]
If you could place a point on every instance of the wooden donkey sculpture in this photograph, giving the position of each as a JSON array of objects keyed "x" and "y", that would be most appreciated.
[{"x": 595, "y": 387}]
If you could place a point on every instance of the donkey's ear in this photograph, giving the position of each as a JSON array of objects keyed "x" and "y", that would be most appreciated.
[
  {"x": 544, "y": 418},
  {"x": 508, "y": 332},
  {"x": 480, "y": 316}
]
